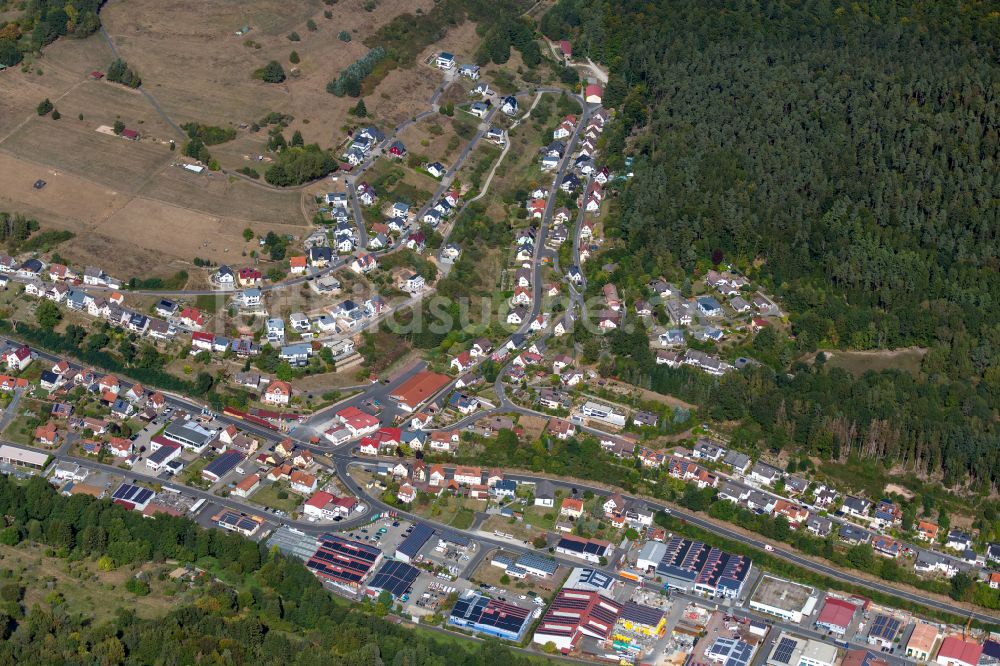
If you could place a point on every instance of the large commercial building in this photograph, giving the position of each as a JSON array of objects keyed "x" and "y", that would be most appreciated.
[
  {"x": 491, "y": 617},
  {"x": 591, "y": 550},
  {"x": 695, "y": 566},
  {"x": 792, "y": 650},
  {"x": 189, "y": 434},
  {"x": 343, "y": 562},
  {"x": 13, "y": 455},
  {"x": 132, "y": 497},
  {"x": 592, "y": 580},
  {"x": 396, "y": 578},
  {"x": 418, "y": 389},
  {"x": 782, "y": 598},
  {"x": 409, "y": 547},
  {"x": 575, "y": 614},
  {"x": 836, "y": 615}
]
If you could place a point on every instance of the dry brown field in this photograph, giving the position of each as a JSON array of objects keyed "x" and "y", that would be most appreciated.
[
  {"x": 200, "y": 70},
  {"x": 131, "y": 201}
]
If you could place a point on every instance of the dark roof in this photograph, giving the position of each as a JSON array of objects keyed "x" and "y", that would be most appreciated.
[
  {"x": 584, "y": 546},
  {"x": 239, "y": 521},
  {"x": 224, "y": 463},
  {"x": 412, "y": 544},
  {"x": 159, "y": 455},
  {"x": 132, "y": 494},
  {"x": 480, "y": 610},
  {"x": 884, "y": 627},
  {"x": 640, "y": 614},
  {"x": 394, "y": 577}
]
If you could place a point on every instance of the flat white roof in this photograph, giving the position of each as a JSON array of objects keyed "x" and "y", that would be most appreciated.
[{"x": 22, "y": 456}]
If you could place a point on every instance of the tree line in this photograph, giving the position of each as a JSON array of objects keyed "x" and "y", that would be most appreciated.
[
  {"x": 844, "y": 158},
  {"x": 276, "y": 611}
]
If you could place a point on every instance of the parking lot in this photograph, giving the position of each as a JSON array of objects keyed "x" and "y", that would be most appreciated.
[{"x": 385, "y": 534}]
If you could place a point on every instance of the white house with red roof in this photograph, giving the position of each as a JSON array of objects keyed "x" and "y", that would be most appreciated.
[
  {"x": 359, "y": 423},
  {"x": 18, "y": 358},
  {"x": 192, "y": 318},
  {"x": 320, "y": 506},
  {"x": 957, "y": 652},
  {"x": 444, "y": 441},
  {"x": 277, "y": 393},
  {"x": 462, "y": 362},
  {"x": 407, "y": 493}
]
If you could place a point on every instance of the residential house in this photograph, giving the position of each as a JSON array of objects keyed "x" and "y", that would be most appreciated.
[{"x": 277, "y": 393}]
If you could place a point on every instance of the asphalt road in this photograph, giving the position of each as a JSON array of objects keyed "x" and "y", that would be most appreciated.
[{"x": 342, "y": 459}]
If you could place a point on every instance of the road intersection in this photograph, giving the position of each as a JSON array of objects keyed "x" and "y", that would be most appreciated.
[{"x": 308, "y": 433}]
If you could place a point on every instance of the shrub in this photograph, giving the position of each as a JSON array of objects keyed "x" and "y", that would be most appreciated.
[
  {"x": 344, "y": 36},
  {"x": 296, "y": 165},
  {"x": 9, "y": 53},
  {"x": 44, "y": 107},
  {"x": 293, "y": 57},
  {"x": 294, "y": 37},
  {"x": 120, "y": 72},
  {"x": 210, "y": 135},
  {"x": 249, "y": 171},
  {"x": 349, "y": 81},
  {"x": 311, "y": 25},
  {"x": 56, "y": 115},
  {"x": 272, "y": 72}
]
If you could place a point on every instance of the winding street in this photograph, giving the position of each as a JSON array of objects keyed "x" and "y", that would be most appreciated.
[{"x": 343, "y": 457}]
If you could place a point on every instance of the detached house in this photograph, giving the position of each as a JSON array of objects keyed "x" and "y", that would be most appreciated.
[{"x": 277, "y": 393}]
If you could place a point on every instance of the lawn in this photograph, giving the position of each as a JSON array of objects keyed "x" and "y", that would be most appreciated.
[
  {"x": 19, "y": 432},
  {"x": 210, "y": 302},
  {"x": 463, "y": 519},
  {"x": 192, "y": 473},
  {"x": 520, "y": 530},
  {"x": 542, "y": 517},
  {"x": 859, "y": 362},
  {"x": 267, "y": 496}
]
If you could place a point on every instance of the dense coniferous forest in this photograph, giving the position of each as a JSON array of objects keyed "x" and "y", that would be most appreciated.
[
  {"x": 846, "y": 156},
  {"x": 280, "y": 615}
]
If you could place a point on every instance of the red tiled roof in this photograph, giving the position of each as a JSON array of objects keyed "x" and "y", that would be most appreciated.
[{"x": 837, "y": 613}]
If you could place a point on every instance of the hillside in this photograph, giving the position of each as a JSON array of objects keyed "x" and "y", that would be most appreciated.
[
  {"x": 845, "y": 156},
  {"x": 254, "y": 607}
]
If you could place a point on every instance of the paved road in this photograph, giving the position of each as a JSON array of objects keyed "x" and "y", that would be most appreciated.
[{"x": 342, "y": 459}]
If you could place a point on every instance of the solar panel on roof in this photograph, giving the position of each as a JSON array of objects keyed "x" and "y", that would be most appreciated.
[
  {"x": 395, "y": 577},
  {"x": 240, "y": 522},
  {"x": 412, "y": 544},
  {"x": 641, "y": 614},
  {"x": 783, "y": 653},
  {"x": 134, "y": 494},
  {"x": 533, "y": 561}
]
